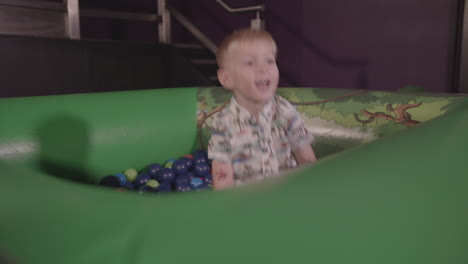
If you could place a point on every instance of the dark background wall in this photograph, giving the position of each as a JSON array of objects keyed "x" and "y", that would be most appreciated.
[
  {"x": 364, "y": 44},
  {"x": 361, "y": 44}
]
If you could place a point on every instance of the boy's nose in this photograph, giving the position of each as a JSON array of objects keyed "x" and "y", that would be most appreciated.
[{"x": 262, "y": 67}]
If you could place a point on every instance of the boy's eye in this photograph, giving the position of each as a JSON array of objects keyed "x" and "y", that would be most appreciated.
[
  {"x": 271, "y": 61},
  {"x": 249, "y": 63}
]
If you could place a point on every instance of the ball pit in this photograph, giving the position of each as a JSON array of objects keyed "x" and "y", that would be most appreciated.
[{"x": 180, "y": 176}]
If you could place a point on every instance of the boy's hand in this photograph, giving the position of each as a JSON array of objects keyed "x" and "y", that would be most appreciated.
[
  {"x": 304, "y": 155},
  {"x": 223, "y": 176}
]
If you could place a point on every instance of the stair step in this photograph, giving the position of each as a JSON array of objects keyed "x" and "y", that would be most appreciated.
[
  {"x": 203, "y": 61},
  {"x": 189, "y": 46}
]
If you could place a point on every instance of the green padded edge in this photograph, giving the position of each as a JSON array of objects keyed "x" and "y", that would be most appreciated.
[
  {"x": 87, "y": 136},
  {"x": 400, "y": 199}
]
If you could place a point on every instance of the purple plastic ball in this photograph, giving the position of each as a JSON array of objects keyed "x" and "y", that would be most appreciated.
[
  {"x": 201, "y": 169},
  {"x": 110, "y": 181},
  {"x": 182, "y": 178},
  {"x": 153, "y": 169},
  {"x": 200, "y": 153},
  {"x": 208, "y": 179},
  {"x": 188, "y": 162},
  {"x": 183, "y": 187},
  {"x": 129, "y": 185},
  {"x": 164, "y": 187},
  {"x": 166, "y": 175},
  {"x": 141, "y": 179},
  {"x": 180, "y": 166},
  {"x": 200, "y": 160},
  {"x": 146, "y": 189}
]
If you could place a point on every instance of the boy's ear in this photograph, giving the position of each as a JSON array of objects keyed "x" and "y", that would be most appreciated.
[{"x": 224, "y": 79}]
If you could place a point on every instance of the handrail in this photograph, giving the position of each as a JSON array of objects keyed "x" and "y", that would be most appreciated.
[
  {"x": 193, "y": 29},
  {"x": 88, "y": 12},
  {"x": 118, "y": 15},
  {"x": 258, "y": 8},
  {"x": 40, "y": 5}
]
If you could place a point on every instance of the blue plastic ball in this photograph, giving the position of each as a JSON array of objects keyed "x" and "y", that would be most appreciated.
[
  {"x": 153, "y": 169},
  {"x": 122, "y": 178},
  {"x": 196, "y": 182},
  {"x": 180, "y": 166},
  {"x": 141, "y": 179},
  {"x": 166, "y": 175},
  {"x": 201, "y": 169}
]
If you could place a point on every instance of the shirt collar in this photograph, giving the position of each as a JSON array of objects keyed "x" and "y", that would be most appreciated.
[{"x": 266, "y": 113}]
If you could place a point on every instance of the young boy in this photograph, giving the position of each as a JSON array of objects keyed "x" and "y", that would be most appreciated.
[{"x": 258, "y": 133}]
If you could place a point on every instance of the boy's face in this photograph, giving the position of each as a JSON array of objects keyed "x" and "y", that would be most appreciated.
[{"x": 250, "y": 71}]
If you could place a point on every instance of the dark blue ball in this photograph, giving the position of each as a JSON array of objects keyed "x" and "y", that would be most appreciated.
[
  {"x": 166, "y": 175},
  {"x": 145, "y": 189},
  {"x": 180, "y": 166},
  {"x": 200, "y": 153},
  {"x": 200, "y": 160},
  {"x": 208, "y": 179},
  {"x": 129, "y": 185},
  {"x": 182, "y": 178},
  {"x": 141, "y": 179},
  {"x": 110, "y": 181},
  {"x": 188, "y": 162},
  {"x": 183, "y": 187},
  {"x": 190, "y": 175},
  {"x": 153, "y": 169},
  {"x": 201, "y": 169},
  {"x": 164, "y": 187}
]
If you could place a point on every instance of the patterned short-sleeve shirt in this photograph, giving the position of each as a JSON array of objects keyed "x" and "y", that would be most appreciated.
[{"x": 257, "y": 147}]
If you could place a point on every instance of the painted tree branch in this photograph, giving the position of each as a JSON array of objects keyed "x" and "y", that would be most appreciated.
[
  {"x": 401, "y": 116},
  {"x": 202, "y": 115}
]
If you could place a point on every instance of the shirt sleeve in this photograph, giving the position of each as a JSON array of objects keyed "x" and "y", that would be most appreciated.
[
  {"x": 219, "y": 146},
  {"x": 297, "y": 133}
]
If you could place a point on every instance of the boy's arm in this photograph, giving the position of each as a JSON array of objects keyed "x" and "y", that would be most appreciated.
[
  {"x": 304, "y": 155},
  {"x": 223, "y": 176}
]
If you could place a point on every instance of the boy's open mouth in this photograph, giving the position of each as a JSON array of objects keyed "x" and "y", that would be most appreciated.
[{"x": 262, "y": 84}]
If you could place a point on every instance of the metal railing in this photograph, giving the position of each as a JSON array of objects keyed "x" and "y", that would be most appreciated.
[
  {"x": 256, "y": 23},
  {"x": 193, "y": 29},
  {"x": 72, "y": 13}
]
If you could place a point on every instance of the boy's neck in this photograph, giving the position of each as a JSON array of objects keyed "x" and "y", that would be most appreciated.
[{"x": 253, "y": 108}]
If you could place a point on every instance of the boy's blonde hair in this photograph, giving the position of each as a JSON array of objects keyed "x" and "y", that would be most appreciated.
[{"x": 241, "y": 36}]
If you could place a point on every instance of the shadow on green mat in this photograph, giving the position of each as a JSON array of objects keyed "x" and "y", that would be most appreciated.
[{"x": 64, "y": 143}]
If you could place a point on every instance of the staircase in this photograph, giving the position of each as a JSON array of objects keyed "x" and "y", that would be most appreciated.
[{"x": 201, "y": 58}]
